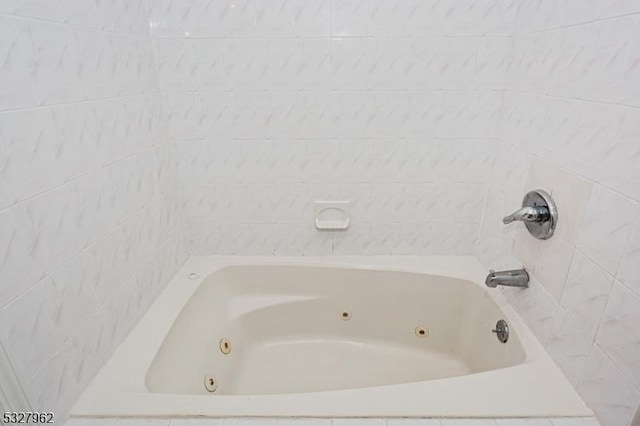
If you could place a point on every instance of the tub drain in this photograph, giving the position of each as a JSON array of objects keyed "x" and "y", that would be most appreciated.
[
  {"x": 225, "y": 345},
  {"x": 210, "y": 383}
]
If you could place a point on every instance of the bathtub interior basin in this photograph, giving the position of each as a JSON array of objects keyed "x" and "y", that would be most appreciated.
[
  {"x": 329, "y": 337},
  {"x": 272, "y": 329}
]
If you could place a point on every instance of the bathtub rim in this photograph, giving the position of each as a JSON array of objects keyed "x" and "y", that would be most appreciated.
[{"x": 119, "y": 388}]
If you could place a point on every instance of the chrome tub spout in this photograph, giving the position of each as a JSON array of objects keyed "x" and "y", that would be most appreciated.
[{"x": 512, "y": 278}]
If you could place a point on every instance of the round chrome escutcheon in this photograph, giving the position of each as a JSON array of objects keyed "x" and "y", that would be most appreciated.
[
  {"x": 502, "y": 331},
  {"x": 542, "y": 230}
]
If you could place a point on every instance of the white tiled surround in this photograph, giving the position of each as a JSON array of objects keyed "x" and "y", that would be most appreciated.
[
  {"x": 390, "y": 104},
  {"x": 418, "y": 111},
  {"x": 89, "y": 224},
  {"x": 570, "y": 124}
]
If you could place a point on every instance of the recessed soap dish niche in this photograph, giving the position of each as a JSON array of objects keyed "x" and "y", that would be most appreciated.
[{"x": 332, "y": 215}]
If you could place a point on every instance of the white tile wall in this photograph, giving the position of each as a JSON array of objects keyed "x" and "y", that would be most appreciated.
[
  {"x": 392, "y": 105},
  {"x": 89, "y": 219},
  {"x": 569, "y": 117}
]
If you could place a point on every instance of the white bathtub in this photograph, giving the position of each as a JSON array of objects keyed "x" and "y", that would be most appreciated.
[{"x": 330, "y": 337}]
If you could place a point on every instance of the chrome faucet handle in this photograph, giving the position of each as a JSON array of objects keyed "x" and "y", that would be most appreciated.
[
  {"x": 527, "y": 214},
  {"x": 538, "y": 213}
]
